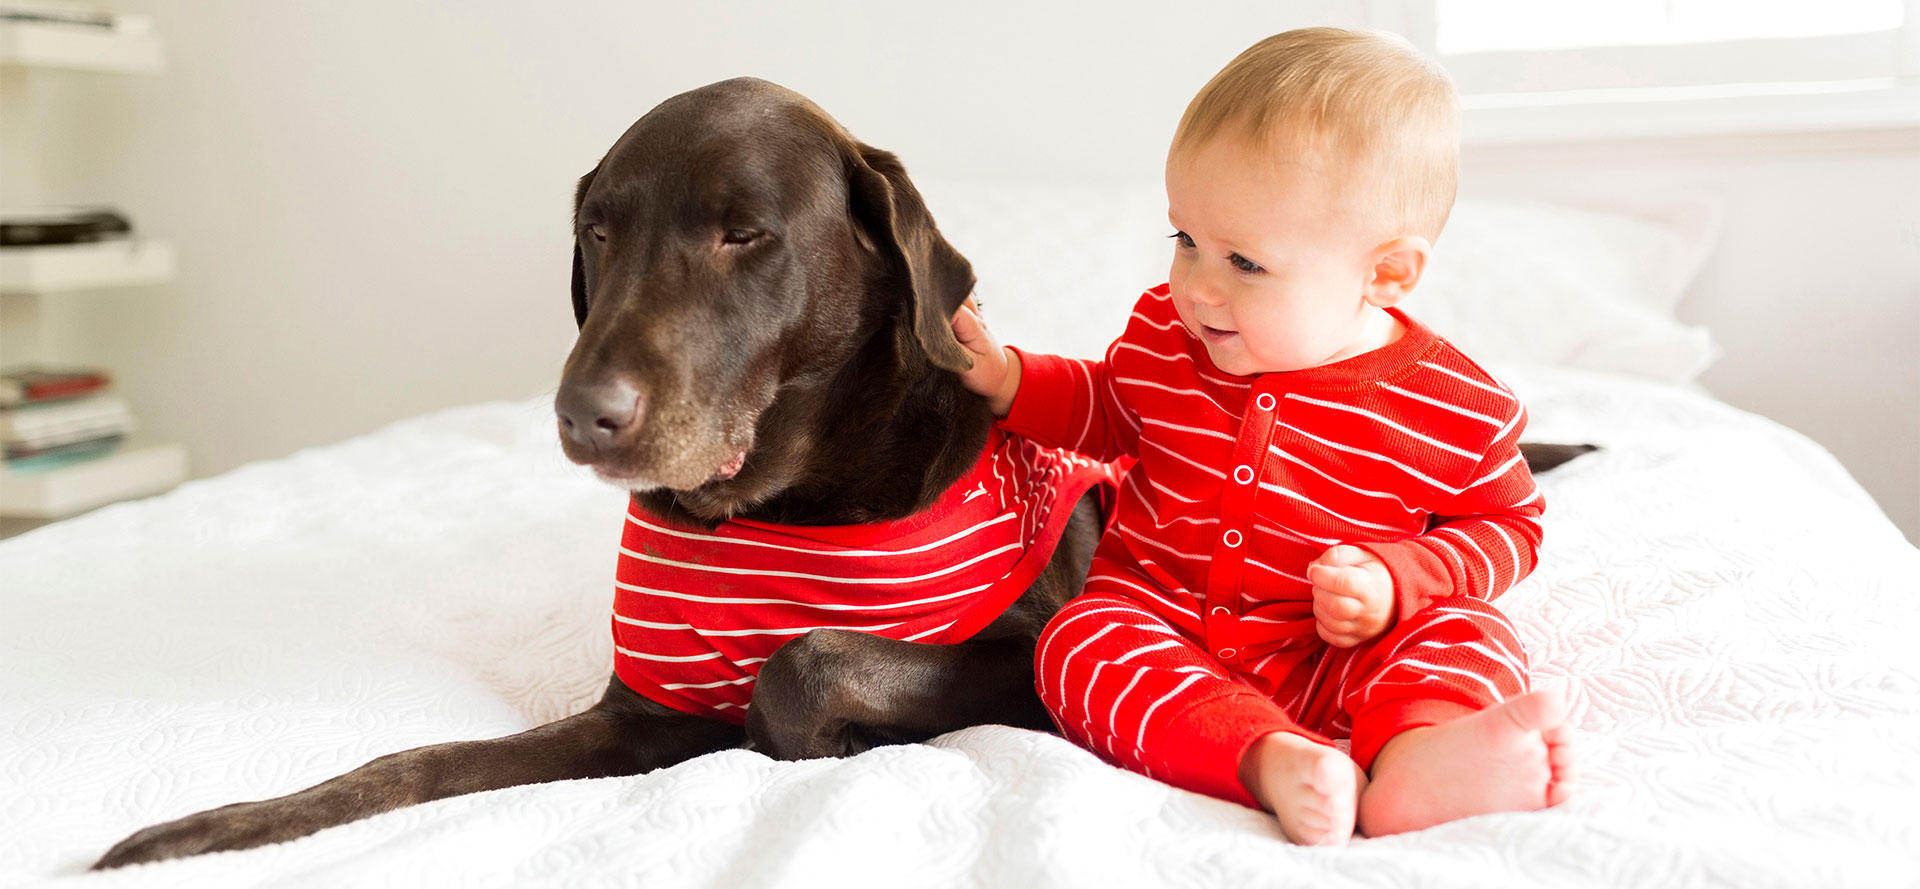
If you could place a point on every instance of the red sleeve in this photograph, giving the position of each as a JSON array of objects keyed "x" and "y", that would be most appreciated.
[
  {"x": 1479, "y": 543},
  {"x": 1072, "y": 403}
]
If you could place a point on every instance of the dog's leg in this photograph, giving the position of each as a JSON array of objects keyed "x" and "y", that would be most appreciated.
[
  {"x": 623, "y": 734},
  {"x": 838, "y": 692}
]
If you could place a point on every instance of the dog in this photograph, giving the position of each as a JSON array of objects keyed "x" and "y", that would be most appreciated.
[{"x": 764, "y": 306}]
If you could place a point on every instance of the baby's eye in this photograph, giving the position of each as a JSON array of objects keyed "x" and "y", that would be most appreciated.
[
  {"x": 1181, "y": 239},
  {"x": 1242, "y": 263}
]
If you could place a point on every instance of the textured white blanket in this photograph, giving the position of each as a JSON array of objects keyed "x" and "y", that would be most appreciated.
[{"x": 1733, "y": 619}]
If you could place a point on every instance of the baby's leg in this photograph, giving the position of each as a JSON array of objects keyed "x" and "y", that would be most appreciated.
[
  {"x": 1313, "y": 788},
  {"x": 1445, "y": 727},
  {"x": 1512, "y": 757},
  {"x": 1123, "y": 683}
]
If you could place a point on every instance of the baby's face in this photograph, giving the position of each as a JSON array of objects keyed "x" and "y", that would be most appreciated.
[{"x": 1270, "y": 257}]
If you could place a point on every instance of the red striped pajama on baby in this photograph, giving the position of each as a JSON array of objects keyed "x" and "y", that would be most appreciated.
[
  {"x": 1123, "y": 683},
  {"x": 1409, "y": 451}
]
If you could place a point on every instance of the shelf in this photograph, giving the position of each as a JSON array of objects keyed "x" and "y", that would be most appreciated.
[
  {"x": 128, "y": 45},
  {"x": 84, "y": 266},
  {"x": 129, "y": 49},
  {"x": 133, "y": 471}
]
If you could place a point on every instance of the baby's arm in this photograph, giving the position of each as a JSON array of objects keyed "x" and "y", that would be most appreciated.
[
  {"x": 1479, "y": 543},
  {"x": 1058, "y": 402}
]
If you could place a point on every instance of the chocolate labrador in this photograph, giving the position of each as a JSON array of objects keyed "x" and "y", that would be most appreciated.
[{"x": 764, "y": 306}]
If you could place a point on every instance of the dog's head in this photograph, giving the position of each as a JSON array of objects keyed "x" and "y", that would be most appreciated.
[{"x": 734, "y": 251}]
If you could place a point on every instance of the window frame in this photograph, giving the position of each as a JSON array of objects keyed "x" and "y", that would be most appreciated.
[{"x": 1862, "y": 81}]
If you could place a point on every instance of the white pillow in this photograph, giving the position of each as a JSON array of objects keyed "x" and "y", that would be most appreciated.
[
  {"x": 1542, "y": 284},
  {"x": 1060, "y": 266}
]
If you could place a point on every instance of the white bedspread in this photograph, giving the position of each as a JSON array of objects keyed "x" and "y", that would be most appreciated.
[{"x": 1734, "y": 621}]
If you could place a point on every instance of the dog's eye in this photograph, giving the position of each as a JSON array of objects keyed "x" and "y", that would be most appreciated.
[{"x": 738, "y": 236}]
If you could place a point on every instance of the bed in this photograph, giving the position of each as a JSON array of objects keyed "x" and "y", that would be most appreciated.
[{"x": 1730, "y": 615}]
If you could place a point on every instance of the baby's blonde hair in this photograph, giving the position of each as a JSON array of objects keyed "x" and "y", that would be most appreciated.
[{"x": 1365, "y": 98}]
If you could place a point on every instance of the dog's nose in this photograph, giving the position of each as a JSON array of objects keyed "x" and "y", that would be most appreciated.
[{"x": 593, "y": 416}]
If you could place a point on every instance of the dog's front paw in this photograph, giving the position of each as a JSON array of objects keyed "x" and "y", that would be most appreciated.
[
  {"x": 239, "y": 826},
  {"x": 803, "y": 693}
]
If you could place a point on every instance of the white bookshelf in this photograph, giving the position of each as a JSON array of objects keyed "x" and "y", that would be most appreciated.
[
  {"x": 29, "y": 275},
  {"x": 132, "y": 48},
  {"x": 65, "y": 267}
]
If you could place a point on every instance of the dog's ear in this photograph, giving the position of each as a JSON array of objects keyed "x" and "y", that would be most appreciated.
[
  {"x": 579, "y": 269},
  {"x": 891, "y": 213}
]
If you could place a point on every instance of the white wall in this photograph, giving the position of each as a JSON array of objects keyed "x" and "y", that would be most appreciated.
[
  {"x": 1813, "y": 290},
  {"x": 370, "y": 199}
]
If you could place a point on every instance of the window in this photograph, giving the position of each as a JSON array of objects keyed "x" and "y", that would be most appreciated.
[
  {"x": 1755, "y": 64},
  {"x": 1467, "y": 26}
]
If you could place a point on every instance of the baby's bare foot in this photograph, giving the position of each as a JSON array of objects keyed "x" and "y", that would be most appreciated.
[
  {"x": 1312, "y": 788},
  {"x": 1515, "y": 756}
]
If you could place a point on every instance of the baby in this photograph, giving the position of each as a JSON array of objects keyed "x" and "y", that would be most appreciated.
[{"x": 1327, "y": 493}]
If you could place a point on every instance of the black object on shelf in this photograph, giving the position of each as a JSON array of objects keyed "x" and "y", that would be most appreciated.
[
  {"x": 78, "y": 225},
  {"x": 40, "y": 14}
]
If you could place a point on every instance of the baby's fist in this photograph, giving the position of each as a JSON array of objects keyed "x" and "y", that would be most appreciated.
[{"x": 1352, "y": 596}]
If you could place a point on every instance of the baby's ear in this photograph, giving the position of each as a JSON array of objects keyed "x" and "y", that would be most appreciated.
[{"x": 1397, "y": 267}]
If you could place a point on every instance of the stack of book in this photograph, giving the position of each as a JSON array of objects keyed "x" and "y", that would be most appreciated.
[{"x": 53, "y": 418}]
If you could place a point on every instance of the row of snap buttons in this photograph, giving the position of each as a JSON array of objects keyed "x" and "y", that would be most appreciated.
[{"x": 1242, "y": 474}]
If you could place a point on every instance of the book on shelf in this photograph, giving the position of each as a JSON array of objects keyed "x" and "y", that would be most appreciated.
[
  {"x": 62, "y": 421},
  {"x": 49, "y": 434},
  {"x": 64, "y": 455},
  {"x": 33, "y": 385}
]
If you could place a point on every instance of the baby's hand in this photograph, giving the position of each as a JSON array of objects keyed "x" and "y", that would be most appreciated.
[
  {"x": 996, "y": 371},
  {"x": 1352, "y": 596}
]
